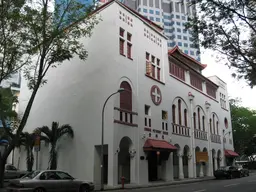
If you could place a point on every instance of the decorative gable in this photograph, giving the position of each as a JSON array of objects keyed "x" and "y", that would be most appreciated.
[{"x": 177, "y": 53}]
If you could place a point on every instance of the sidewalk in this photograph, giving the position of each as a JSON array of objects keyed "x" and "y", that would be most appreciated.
[{"x": 158, "y": 184}]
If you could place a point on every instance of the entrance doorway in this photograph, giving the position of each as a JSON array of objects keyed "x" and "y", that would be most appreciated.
[
  {"x": 97, "y": 164},
  {"x": 185, "y": 161},
  {"x": 213, "y": 159},
  {"x": 218, "y": 159},
  {"x": 197, "y": 163},
  {"x": 152, "y": 166},
  {"x": 105, "y": 166},
  {"x": 124, "y": 160},
  {"x": 156, "y": 160}
]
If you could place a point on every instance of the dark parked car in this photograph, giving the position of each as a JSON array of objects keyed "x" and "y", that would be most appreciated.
[
  {"x": 49, "y": 181},
  {"x": 12, "y": 172},
  {"x": 244, "y": 171},
  {"x": 228, "y": 172}
]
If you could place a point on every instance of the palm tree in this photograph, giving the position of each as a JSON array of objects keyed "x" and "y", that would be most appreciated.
[
  {"x": 28, "y": 140},
  {"x": 25, "y": 139},
  {"x": 52, "y": 136}
]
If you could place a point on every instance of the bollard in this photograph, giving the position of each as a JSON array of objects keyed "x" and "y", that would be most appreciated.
[{"x": 122, "y": 181}]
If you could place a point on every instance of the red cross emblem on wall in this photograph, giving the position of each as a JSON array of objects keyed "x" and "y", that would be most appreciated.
[{"x": 156, "y": 95}]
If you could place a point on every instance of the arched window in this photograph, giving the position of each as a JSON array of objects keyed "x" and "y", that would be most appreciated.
[
  {"x": 179, "y": 108},
  {"x": 226, "y": 122},
  {"x": 213, "y": 123},
  {"x": 198, "y": 117},
  {"x": 203, "y": 119},
  {"x": 126, "y": 96},
  {"x": 217, "y": 127},
  {"x": 185, "y": 118},
  {"x": 173, "y": 114},
  {"x": 194, "y": 117}
]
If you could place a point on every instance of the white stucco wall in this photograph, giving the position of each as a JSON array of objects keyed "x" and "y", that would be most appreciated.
[{"x": 76, "y": 91}]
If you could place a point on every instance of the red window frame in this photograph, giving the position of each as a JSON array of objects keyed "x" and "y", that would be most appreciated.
[
  {"x": 198, "y": 117},
  {"x": 158, "y": 73},
  {"x": 129, "y": 50},
  {"x": 153, "y": 70},
  {"x": 129, "y": 37},
  {"x": 185, "y": 117},
  {"x": 203, "y": 118},
  {"x": 121, "y": 32},
  {"x": 196, "y": 81},
  {"x": 121, "y": 46},
  {"x": 211, "y": 90},
  {"x": 194, "y": 118},
  {"x": 179, "y": 109},
  {"x": 177, "y": 71},
  {"x": 173, "y": 114}
]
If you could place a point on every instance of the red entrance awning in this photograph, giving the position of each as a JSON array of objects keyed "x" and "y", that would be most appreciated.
[
  {"x": 230, "y": 153},
  {"x": 158, "y": 145}
]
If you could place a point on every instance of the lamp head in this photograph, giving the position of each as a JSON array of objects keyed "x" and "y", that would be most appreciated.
[
  {"x": 207, "y": 105},
  {"x": 120, "y": 90}
]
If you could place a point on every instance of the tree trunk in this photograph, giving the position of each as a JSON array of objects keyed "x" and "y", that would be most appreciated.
[
  {"x": 23, "y": 122},
  {"x": 53, "y": 165},
  {"x": 30, "y": 159},
  {"x": 13, "y": 156},
  {"x": 2, "y": 169}
]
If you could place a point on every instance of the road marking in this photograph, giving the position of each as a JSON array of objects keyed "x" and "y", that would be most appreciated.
[
  {"x": 231, "y": 184},
  {"x": 251, "y": 181},
  {"x": 200, "y": 190}
]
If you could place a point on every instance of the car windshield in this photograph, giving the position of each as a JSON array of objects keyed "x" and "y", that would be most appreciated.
[{"x": 31, "y": 175}]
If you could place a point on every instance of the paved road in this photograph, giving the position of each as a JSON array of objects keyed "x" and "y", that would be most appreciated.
[{"x": 245, "y": 184}]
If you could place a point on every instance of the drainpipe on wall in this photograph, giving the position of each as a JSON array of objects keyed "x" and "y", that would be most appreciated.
[
  {"x": 207, "y": 106},
  {"x": 193, "y": 153}
]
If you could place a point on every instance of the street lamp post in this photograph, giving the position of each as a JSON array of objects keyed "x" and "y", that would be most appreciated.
[{"x": 102, "y": 138}]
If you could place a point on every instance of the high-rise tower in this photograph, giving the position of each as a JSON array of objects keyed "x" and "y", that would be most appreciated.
[{"x": 172, "y": 16}]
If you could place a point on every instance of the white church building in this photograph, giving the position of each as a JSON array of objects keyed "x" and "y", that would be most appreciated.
[{"x": 170, "y": 123}]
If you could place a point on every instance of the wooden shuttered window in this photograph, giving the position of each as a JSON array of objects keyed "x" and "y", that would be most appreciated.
[
  {"x": 126, "y": 96},
  {"x": 196, "y": 81},
  {"x": 177, "y": 71}
]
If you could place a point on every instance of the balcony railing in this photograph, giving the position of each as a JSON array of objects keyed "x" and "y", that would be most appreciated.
[
  {"x": 200, "y": 135},
  {"x": 215, "y": 138},
  {"x": 125, "y": 117},
  {"x": 180, "y": 130}
]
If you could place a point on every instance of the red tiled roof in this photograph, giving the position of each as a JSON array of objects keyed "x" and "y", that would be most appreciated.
[
  {"x": 176, "y": 48},
  {"x": 153, "y": 144},
  {"x": 230, "y": 153}
]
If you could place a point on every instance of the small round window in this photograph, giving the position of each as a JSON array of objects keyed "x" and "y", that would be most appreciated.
[{"x": 226, "y": 122}]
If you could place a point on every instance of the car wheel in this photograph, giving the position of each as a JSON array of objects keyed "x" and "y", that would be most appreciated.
[
  {"x": 84, "y": 188},
  {"x": 39, "y": 190}
]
